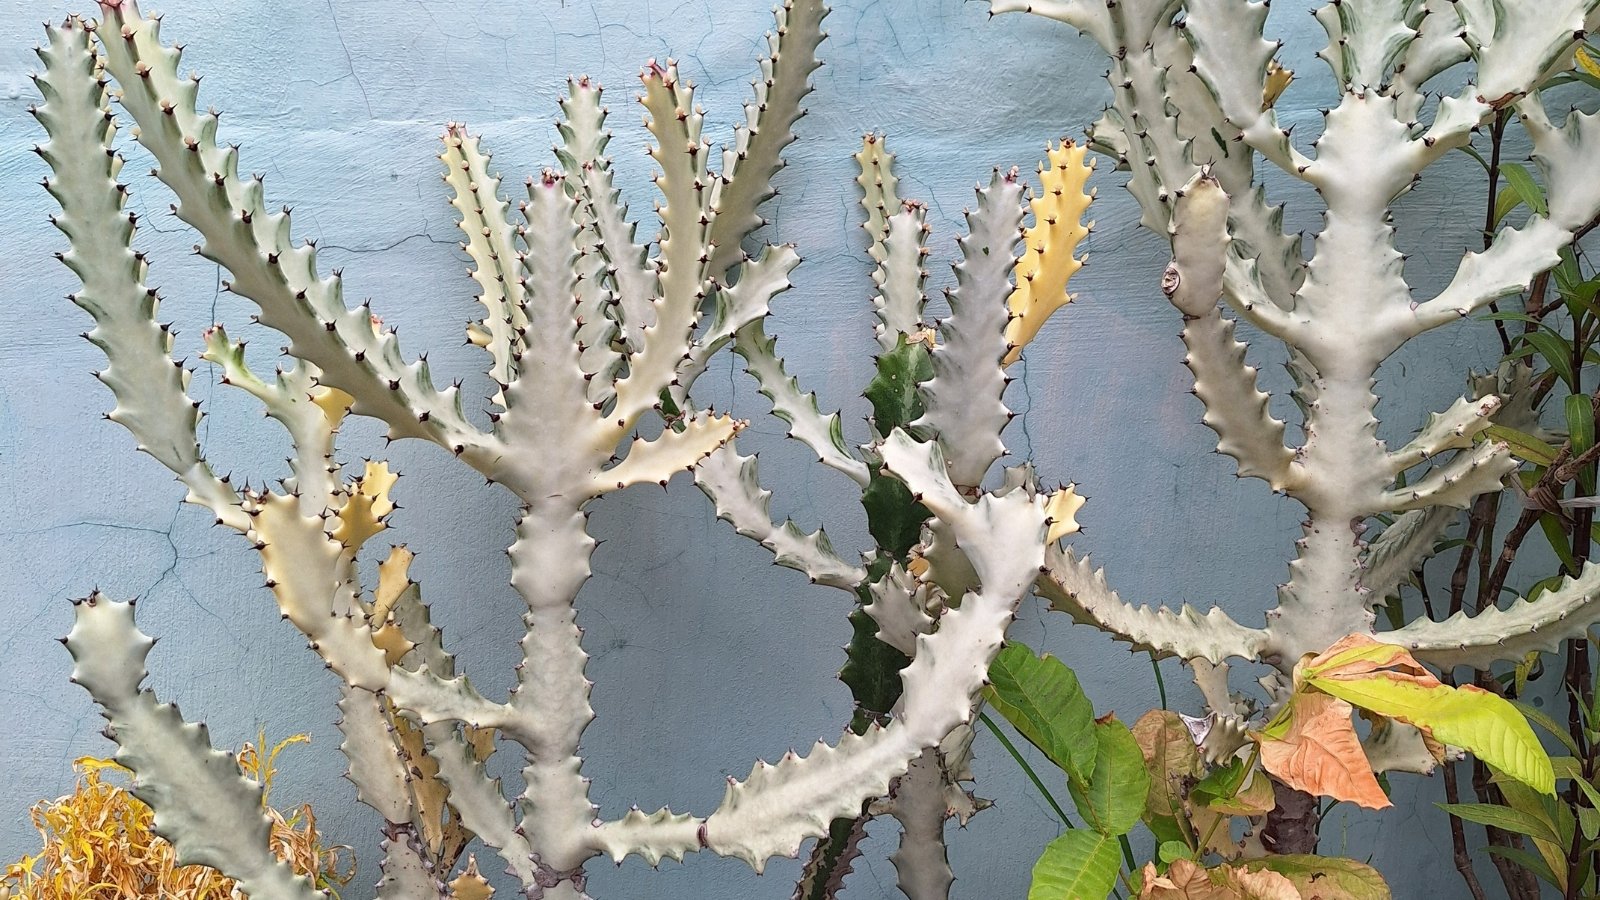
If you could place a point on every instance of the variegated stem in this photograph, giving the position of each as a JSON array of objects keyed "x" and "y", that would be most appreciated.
[
  {"x": 917, "y": 802},
  {"x": 748, "y": 166},
  {"x": 353, "y": 351},
  {"x": 549, "y": 564},
  {"x": 148, "y": 383},
  {"x": 203, "y": 804}
]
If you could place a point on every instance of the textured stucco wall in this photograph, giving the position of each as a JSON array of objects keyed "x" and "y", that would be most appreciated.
[{"x": 705, "y": 656}]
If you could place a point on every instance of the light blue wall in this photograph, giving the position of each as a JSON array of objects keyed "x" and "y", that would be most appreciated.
[{"x": 705, "y": 656}]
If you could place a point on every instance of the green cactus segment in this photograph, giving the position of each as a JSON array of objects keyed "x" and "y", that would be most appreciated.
[
  {"x": 203, "y": 804},
  {"x": 872, "y": 666},
  {"x": 491, "y": 243},
  {"x": 148, "y": 384},
  {"x": 964, "y": 411},
  {"x": 238, "y": 231},
  {"x": 749, "y": 165}
]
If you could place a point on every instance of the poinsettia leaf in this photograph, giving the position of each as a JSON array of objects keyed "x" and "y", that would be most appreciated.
[
  {"x": 1042, "y": 698},
  {"x": 1080, "y": 864},
  {"x": 1320, "y": 753},
  {"x": 1113, "y": 795}
]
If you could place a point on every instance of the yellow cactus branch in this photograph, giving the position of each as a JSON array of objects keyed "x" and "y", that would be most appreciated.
[{"x": 1048, "y": 262}]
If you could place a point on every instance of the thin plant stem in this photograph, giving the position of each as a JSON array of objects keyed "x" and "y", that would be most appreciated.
[{"x": 1026, "y": 768}]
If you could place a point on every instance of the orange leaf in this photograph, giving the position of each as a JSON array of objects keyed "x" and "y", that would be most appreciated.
[
  {"x": 1186, "y": 880},
  {"x": 1319, "y": 753},
  {"x": 1359, "y": 654}
]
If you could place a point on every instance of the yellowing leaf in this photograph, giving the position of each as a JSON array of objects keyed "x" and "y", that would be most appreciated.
[
  {"x": 1387, "y": 680},
  {"x": 1170, "y": 757},
  {"x": 1187, "y": 880},
  {"x": 1319, "y": 752},
  {"x": 1047, "y": 262},
  {"x": 1326, "y": 877}
]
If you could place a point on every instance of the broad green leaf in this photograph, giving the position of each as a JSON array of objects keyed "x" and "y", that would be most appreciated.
[
  {"x": 1041, "y": 697},
  {"x": 1528, "y": 190},
  {"x": 1325, "y": 876},
  {"x": 1223, "y": 782},
  {"x": 1078, "y": 865},
  {"x": 1504, "y": 203},
  {"x": 1171, "y": 850},
  {"x": 1501, "y": 817},
  {"x": 1467, "y": 717},
  {"x": 1111, "y": 798}
]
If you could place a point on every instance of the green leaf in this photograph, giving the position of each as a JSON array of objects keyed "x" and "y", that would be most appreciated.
[
  {"x": 1555, "y": 534},
  {"x": 1113, "y": 796},
  {"x": 1523, "y": 446},
  {"x": 1171, "y": 850},
  {"x": 1556, "y": 351},
  {"x": 1503, "y": 818},
  {"x": 1528, "y": 190},
  {"x": 1467, "y": 717},
  {"x": 1589, "y": 822},
  {"x": 1325, "y": 876},
  {"x": 1079, "y": 865},
  {"x": 1504, "y": 203},
  {"x": 1042, "y": 698},
  {"x": 1542, "y": 719},
  {"x": 1527, "y": 861}
]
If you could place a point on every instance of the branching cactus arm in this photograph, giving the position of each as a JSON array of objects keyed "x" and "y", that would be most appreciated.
[
  {"x": 202, "y": 802},
  {"x": 544, "y": 289},
  {"x": 962, "y": 405},
  {"x": 1350, "y": 308},
  {"x": 148, "y": 384},
  {"x": 353, "y": 352}
]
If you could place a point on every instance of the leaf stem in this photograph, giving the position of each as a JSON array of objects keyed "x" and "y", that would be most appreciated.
[{"x": 1028, "y": 769}]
